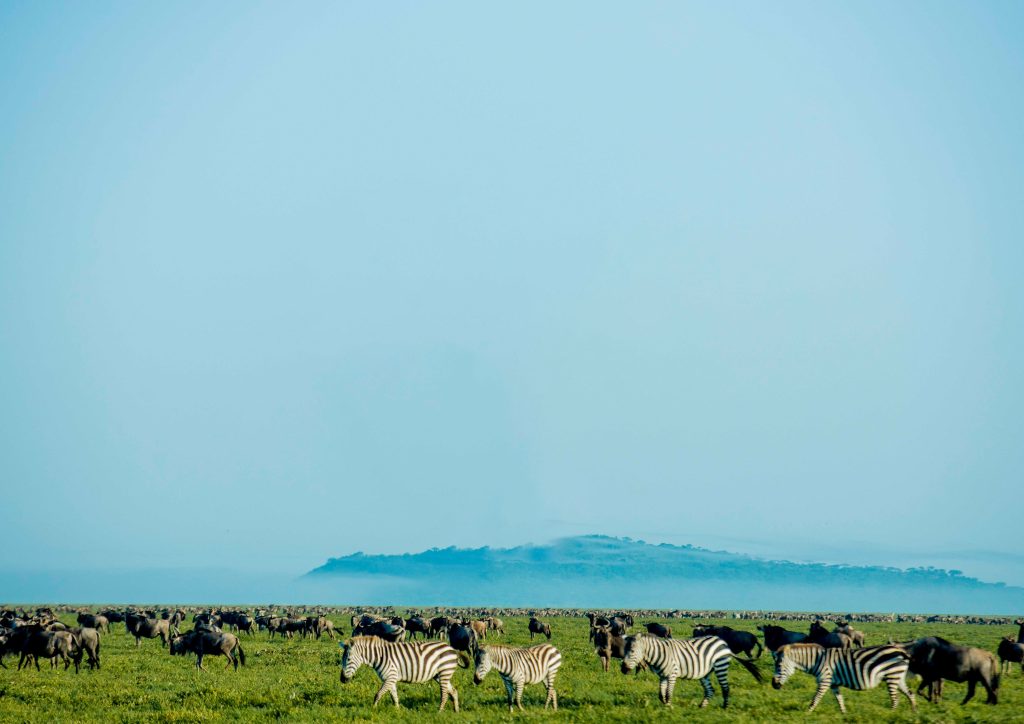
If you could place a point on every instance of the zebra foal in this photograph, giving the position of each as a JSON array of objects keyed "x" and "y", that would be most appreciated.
[
  {"x": 518, "y": 667},
  {"x": 857, "y": 669},
  {"x": 694, "y": 658},
  {"x": 407, "y": 662}
]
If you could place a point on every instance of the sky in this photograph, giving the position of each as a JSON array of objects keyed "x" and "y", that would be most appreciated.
[{"x": 281, "y": 281}]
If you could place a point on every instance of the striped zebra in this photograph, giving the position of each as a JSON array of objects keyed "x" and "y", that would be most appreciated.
[
  {"x": 856, "y": 669},
  {"x": 518, "y": 667},
  {"x": 410, "y": 662},
  {"x": 694, "y": 658}
]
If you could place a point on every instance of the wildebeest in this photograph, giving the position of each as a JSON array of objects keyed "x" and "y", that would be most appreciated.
[
  {"x": 934, "y": 659},
  {"x": 495, "y": 624},
  {"x": 607, "y": 645},
  {"x": 538, "y": 627},
  {"x": 856, "y": 636},
  {"x": 149, "y": 628},
  {"x": 776, "y": 637},
  {"x": 462, "y": 638},
  {"x": 381, "y": 630},
  {"x": 203, "y": 643},
  {"x": 439, "y": 626},
  {"x": 659, "y": 629},
  {"x": 479, "y": 628},
  {"x": 320, "y": 625},
  {"x": 36, "y": 643},
  {"x": 1010, "y": 652},
  {"x": 740, "y": 642},
  {"x": 87, "y": 641},
  {"x": 94, "y": 620},
  {"x": 417, "y": 624},
  {"x": 829, "y": 639}
]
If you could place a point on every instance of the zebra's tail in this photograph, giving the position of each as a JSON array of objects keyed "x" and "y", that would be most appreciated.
[
  {"x": 464, "y": 659},
  {"x": 750, "y": 666}
]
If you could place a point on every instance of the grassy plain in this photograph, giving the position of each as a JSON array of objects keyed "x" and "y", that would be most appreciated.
[{"x": 298, "y": 680}]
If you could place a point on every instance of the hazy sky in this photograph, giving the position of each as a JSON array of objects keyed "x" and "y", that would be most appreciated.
[{"x": 282, "y": 281}]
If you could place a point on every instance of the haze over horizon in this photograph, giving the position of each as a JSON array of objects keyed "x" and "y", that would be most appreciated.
[{"x": 280, "y": 283}]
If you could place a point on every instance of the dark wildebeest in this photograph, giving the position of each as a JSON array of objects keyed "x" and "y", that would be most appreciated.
[
  {"x": 776, "y": 637},
  {"x": 1020, "y": 631},
  {"x": 88, "y": 642},
  {"x": 934, "y": 659},
  {"x": 417, "y": 624},
  {"x": 740, "y": 642},
  {"x": 94, "y": 620},
  {"x": 659, "y": 629},
  {"x": 607, "y": 645},
  {"x": 36, "y": 643},
  {"x": 619, "y": 625},
  {"x": 462, "y": 638},
  {"x": 1010, "y": 652},
  {"x": 147, "y": 628},
  {"x": 382, "y": 630},
  {"x": 537, "y": 627},
  {"x": 439, "y": 626},
  {"x": 203, "y": 643},
  {"x": 829, "y": 639},
  {"x": 113, "y": 616}
]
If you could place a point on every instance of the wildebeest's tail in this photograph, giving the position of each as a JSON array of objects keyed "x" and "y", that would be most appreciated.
[
  {"x": 241, "y": 654},
  {"x": 750, "y": 666}
]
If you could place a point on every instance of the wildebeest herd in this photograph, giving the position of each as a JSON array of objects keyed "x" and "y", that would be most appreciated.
[{"x": 420, "y": 648}]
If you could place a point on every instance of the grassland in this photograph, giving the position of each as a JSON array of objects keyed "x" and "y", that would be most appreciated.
[{"x": 298, "y": 680}]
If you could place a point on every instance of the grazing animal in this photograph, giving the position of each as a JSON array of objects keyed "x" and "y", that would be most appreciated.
[
  {"x": 495, "y": 624},
  {"x": 740, "y": 642},
  {"x": 518, "y": 667},
  {"x": 94, "y": 620},
  {"x": 462, "y": 638},
  {"x": 87, "y": 641},
  {"x": 417, "y": 624},
  {"x": 934, "y": 659},
  {"x": 203, "y": 643},
  {"x": 608, "y": 646},
  {"x": 856, "y": 669},
  {"x": 1010, "y": 652},
  {"x": 52, "y": 645},
  {"x": 695, "y": 658},
  {"x": 538, "y": 627},
  {"x": 381, "y": 630},
  {"x": 857, "y": 636},
  {"x": 1020, "y": 631},
  {"x": 439, "y": 626},
  {"x": 408, "y": 662},
  {"x": 820, "y": 635},
  {"x": 479, "y": 628},
  {"x": 142, "y": 627},
  {"x": 660, "y": 630},
  {"x": 776, "y": 637}
]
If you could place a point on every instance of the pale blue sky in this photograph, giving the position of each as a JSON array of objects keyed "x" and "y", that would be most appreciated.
[{"x": 282, "y": 281}]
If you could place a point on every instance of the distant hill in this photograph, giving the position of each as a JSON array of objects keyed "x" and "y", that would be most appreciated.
[{"x": 600, "y": 571}]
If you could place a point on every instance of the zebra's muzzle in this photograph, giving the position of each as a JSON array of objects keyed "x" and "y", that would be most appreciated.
[
  {"x": 477, "y": 679},
  {"x": 776, "y": 683}
]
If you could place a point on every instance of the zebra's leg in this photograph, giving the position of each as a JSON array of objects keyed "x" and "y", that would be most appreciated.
[
  {"x": 901, "y": 685},
  {"x": 454, "y": 694},
  {"x": 668, "y": 690},
  {"x": 662, "y": 688},
  {"x": 823, "y": 686},
  {"x": 722, "y": 674},
  {"x": 385, "y": 688},
  {"x": 839, "y": 698},
  {"x": 708, "y": 690},
  {"x": 552, "y": 696},
  {"x": 520, "y": 683}
]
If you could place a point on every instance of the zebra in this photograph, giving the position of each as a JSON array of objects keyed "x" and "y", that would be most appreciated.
[
  {"x": 857, "y": 669},
  {"x": 518, "y": 667},
  {"x": 411, "y": 662},
  {"x": 694, "y": 658}
]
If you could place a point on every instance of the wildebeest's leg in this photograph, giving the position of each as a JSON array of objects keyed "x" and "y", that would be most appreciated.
[
  {"x": 990, "y": 690},
  {"x": 972, "y": 683},
  {"x": 759, "y": 650},
  {"x": 510, "y": 692},
  {"x": 199, "y": 660}
]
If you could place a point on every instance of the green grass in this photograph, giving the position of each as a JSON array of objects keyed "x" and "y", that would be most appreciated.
[{"x": 298, "y": 680}]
